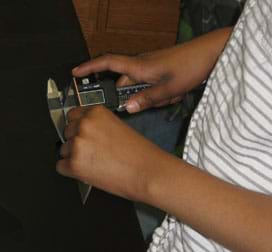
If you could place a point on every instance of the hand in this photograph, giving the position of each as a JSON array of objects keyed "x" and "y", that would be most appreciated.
[
  {"x": 172, "y": 72},
  {"x": 153, "y": 68},
  {"x": 104, "y": 152}
]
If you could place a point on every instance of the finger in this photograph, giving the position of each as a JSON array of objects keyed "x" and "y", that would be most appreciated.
[
  {"x": 124, "y": 81},
  {"x": 75, "y": 113},
  {"x": 114, "y": 63},
  {"x": 71, "y": 130},
  {"x": 148, "y": 98},
  {"x": 63, "y": 167},
  {"x": 65, "y": 150}
]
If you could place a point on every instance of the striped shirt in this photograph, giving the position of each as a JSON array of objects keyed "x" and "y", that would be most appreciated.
[{"x": 230, "y": 134}]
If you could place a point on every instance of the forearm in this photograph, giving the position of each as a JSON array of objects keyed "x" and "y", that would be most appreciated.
[
  {"x": 237, "y": 218},
  {"x": 195, "y": 59},
  {"x": 172, "y": 71}
]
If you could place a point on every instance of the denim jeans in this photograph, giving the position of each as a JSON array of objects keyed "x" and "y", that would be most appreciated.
[{"x": 159, "y": 126}]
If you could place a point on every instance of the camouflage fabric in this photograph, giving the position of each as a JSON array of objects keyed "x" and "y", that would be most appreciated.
[{"x": 202, "y": 16}]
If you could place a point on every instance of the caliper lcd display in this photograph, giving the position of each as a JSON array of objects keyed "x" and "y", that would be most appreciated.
[{"x": 92, "y": 97}]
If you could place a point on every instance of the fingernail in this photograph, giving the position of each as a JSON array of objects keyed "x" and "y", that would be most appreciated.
[{"x": 133, "y": 107}]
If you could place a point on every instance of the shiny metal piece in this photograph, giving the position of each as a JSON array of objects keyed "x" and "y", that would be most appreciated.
[
  {"x": 121, "y": 108},
  {"x": 54, "y": 98},
  {"x": 59, "y": 104}
]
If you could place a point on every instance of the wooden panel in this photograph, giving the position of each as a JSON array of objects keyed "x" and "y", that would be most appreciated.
[
  {"x": 128, "y": 26},
  {"x": 86, "y": 9},
  {"x": 128, "y": 44},
  {"x": 152, "y": 15}
]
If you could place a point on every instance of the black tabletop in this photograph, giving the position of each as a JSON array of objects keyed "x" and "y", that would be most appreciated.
[{"x": 39, "y": 209}]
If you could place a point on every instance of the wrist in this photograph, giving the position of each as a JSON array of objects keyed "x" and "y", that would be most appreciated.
[{"x": 158, "y": 186}]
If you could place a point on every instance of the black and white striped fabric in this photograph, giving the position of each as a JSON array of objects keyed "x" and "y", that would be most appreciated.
[{"x": 230, "y": 134}]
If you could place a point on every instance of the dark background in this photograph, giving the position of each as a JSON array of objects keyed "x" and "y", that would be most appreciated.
[{"x": 40, "y": 210}]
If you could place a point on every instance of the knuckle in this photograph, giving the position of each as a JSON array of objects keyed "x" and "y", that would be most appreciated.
[
  {"x": 168, "y": 90},
  {"x": 73, "y": 167},
  {"x": 69, "y": 165},
  {"x": 108, "y": 57},
  {"x": 65, "y": 167},
  {"x": 76, "y": 144},
  {"x": 71, "y": 130},
  {"x": 146, "y": 100},
  {"x": 69, "y": 168},
  {"x": 84, "y": 126},
  {"x": 98, "y": 109},
  {"x": 63, "y": 150},
  {"x": 67, "y": 133},
  {"x": 139, "y": 66},
  {"x": 90, "y": 111},
  {"x": 59, "y": 165}
]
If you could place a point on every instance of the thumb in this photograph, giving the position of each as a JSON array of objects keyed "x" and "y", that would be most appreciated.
[{"x": 148, "y": 98}]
